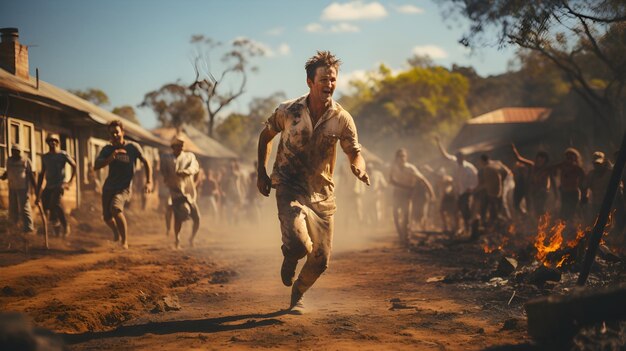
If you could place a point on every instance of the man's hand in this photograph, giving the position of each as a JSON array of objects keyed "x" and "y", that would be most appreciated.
[
  {"x": 117, "y": 152},
  {"x": 361, "y": 174},
  {"x": 264, "y": 183},
  {"x": 147, "y": 188}
]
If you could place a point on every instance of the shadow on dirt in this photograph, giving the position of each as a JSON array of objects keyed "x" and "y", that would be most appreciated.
[{"x": 211, "y": 325}]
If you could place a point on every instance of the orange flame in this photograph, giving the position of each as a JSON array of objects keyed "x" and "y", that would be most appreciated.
[
  {"x": 555, "y": 234},
  {"x": 560, "y": 263},
  {"x": 580, "y": 235},
  {"x": 511, "y": 229}
]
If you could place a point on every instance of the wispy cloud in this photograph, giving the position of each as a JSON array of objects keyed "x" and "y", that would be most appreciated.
[
  {"x": 336, "y": 28},
  {"x": 284, "y": 49},
  {"x": 314, "y": 28},
  {"x": 408, "y": 9},
  {"x": 344, "y": 79},
  {"x": 354, "y": 11},
  {"x": 435, "y": 52},
  {"x": 275, "y": 31},
  {"x": 344, "y": 28}
]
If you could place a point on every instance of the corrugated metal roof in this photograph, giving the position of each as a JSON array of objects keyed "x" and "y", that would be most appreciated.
[
  {"x": 513, "y": 115},
  {"x": 168, "y": 134},
  {"x": 208, "y": 145},
  {"x": 48, "y": 92}
]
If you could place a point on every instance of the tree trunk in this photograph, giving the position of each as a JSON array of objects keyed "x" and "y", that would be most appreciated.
[{"x": 211, "y": 119}]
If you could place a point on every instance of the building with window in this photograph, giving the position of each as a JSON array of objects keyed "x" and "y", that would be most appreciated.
[{"x": 30, "y": 109}]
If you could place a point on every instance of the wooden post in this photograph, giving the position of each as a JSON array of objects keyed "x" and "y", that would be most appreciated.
[{"x": 598, "y": 229}]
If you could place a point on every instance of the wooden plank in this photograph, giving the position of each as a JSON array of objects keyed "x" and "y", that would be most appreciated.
[{"x": 555, "y": 318}]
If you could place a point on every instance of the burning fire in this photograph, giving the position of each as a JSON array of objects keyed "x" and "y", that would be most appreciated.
[
  {"x": 555, "y": 234},
  {"x": 562, "y": 260},
  {"x": 489, "y": 248},
  {"x": 580, "y": 234}
]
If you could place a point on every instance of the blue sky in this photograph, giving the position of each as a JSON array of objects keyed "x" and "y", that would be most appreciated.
[{"x": 127, "y": 48}]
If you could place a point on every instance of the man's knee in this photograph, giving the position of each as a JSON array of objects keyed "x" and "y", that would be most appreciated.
[
  {"x": 116, "y": 212},
  {"x": 295, "y": 250},
  {"x": 322, "y": 266}
]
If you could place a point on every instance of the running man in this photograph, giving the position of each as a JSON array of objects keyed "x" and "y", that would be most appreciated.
[
  {"x": 53, "y": 171},
  {"x": 120, "y": 155},
  {"x": 178, "y": 170},
  {"x": 310, "y": 127}
]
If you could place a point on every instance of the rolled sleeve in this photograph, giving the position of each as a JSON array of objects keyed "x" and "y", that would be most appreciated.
[
  {"x": 276, "y": 122},
  {"x": 349, "y": 139}
]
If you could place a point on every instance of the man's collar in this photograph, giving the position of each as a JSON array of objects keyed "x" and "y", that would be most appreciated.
[{"x": 302, "y": 101}]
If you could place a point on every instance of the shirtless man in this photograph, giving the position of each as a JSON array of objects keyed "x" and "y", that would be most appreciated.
[
  {"x": 539, "y": 182},
  {"x": 405, "y": 177},
  {"x": 465, "y": 177}
]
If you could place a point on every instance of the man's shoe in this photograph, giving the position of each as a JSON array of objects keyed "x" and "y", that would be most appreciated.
[
  {"x": 288, "y": 271},
  {"x": 297, "y": 303}
]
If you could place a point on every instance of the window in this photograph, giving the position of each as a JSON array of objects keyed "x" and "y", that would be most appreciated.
[
  {"x": 14, "y": 133},
  {"x": 22, "y": 133},
  {"x": 3, "y": 142},
  {"x": 95, "y": 146},
  {"x": 27, "y": 143},
  {"x": 39, "y": 149}
]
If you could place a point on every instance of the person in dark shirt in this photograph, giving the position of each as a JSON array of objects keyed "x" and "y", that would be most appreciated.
[
  {"x": 120, "y": 155},
  {"x": 53, "y": 171}
]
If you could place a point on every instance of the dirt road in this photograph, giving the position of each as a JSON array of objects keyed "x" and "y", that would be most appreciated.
[{"x": 226, "y": 293}]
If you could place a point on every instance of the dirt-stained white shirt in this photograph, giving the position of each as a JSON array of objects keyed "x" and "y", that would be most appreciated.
[
  {"x": 178, "y": 172},
  {"x": 305, "y": 160}
]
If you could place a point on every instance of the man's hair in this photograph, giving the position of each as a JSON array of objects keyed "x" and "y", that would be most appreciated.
[
  {"x": 484, "y": 157},
  {"x": 400, "y": 151},
  {"x": 116, "y": 123},
  {"x": 321, "y": 59}
]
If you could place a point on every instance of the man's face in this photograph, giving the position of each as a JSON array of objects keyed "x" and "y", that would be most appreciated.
[
  {"x": 540, "y": 161},
  {"x": 402, "y": 157},
  {"x": 53, "y": 144},
  {"x": 323, "y": 85},
  {"x": 571, "y": 158},
  {"x": 117, "y": 134},
  {"x": 177, "y": 149}
]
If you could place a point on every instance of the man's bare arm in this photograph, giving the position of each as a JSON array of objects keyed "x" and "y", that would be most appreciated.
[
  {"x": 444, "y": 152},
  {"x": 264, "y": 184},
  {"x": 146, "y": 164},
  {"x": 103, "y": 162},
  {"x": 73, "y": 166},
  {"x": 40, "y": 182},
  {"x": 427, "y": 185},
  {"x": 520, "y": 158}
]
